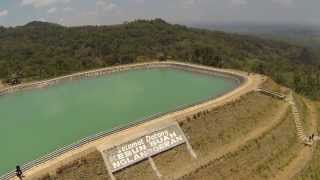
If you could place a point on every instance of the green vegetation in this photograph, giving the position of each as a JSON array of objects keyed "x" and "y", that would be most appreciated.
[{"x": 43, "y": 50}]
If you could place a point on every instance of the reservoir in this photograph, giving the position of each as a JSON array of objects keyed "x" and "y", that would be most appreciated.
[{"x": 36, "y": 122}]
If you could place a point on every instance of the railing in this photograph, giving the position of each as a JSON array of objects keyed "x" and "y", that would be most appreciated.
[
  {"x": 110, "y": 70},
  {"x": 272, "y": 93},
  {"x": 29, "y": 165}
]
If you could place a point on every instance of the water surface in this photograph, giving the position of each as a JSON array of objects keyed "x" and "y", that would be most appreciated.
[{"x": 34, "y": 123}]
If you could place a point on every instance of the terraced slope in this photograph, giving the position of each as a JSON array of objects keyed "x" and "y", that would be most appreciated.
[
  {"x": 221, "y": 132},
  {"x": 259, "y": 158},
  {"x": 213, "y": 134}
]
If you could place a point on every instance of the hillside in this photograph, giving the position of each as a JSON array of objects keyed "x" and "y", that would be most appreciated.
[
  {"x": 307, "y": 35},
  {"x": 42, "y": 50},
  {"x": 304, "y": 35}
]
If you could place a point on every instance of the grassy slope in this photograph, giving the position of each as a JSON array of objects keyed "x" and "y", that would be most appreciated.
[
  {"x": 207, "y": 131},
  {"x": 262, "y": 159},
  {"x": 89, "y": 167},
  {"x": 312, "y": 172},
  {"x": 259, "y": 159}
]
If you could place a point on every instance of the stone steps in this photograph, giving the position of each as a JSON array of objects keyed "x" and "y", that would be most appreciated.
[
  {"x": 297, "y": 120},
  {"x": 296, "y": 115}
]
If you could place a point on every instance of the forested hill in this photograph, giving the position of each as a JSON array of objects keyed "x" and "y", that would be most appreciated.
[{"x": 41, "y": 50}]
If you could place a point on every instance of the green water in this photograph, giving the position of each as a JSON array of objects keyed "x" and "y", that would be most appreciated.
[{"x": 34, "y": 123}]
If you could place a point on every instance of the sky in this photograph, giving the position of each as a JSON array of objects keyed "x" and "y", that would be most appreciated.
[{"x": 105, "y": 12}]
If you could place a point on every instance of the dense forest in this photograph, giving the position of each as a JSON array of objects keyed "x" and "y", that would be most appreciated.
[{"x": 42, "y": 50}]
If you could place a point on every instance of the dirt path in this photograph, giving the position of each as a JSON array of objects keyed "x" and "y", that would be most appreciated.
[
  {"x": 237, "y": 144},
  {"x": 306, "y": 153}
]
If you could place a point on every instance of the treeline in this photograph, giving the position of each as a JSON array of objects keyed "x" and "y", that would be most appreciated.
[{"x": 42, "y": 50}]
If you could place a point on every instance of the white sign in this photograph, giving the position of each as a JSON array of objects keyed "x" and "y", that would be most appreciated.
[{"x": 141, "y": 148}]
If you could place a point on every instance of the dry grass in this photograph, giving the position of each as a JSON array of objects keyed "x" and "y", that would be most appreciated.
[
  {"x": 89, "y": 167},
  {"x": 207, "y": 131},
  {"x": 174, "y": 160},
  {"x": 139, "y": 171},
  {"x": 259, "y": 159},
  {"x": 273, "y": 86},
  {"x": 225, "y": 124},
  {"x": 312, "y": 171}
]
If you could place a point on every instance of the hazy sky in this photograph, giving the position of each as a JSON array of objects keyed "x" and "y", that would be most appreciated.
[{"x": 80, "y": 12}]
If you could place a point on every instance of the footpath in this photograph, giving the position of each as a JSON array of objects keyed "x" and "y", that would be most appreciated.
[{"x": 306, "y": 153}]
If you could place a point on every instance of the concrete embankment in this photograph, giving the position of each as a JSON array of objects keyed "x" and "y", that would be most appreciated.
[{"x": 107, "y": 71}]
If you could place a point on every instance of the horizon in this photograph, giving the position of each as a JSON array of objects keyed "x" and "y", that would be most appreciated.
[
  {"x": 109, "y": 12},
  {"x": 205, "y": 25}
]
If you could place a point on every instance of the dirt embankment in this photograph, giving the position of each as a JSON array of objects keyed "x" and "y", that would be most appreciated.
[{"x": 207, "y": 131}]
